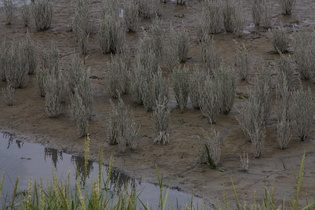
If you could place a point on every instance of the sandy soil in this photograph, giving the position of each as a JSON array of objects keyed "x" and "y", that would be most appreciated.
[{"x": 178, "y": 159}]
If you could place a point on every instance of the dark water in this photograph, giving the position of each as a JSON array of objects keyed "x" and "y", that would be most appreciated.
[{"x": 29, "y": 160}]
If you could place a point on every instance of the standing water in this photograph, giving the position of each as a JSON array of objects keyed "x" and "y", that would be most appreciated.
[{"x": 34, "y": 161}]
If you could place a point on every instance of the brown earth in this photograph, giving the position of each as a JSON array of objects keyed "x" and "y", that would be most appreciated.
[{"x": 178, "y": 159}]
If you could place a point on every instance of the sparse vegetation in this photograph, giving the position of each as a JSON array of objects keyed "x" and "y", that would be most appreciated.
[
  {"x": 131, "y": 15},
  {"x": 232, "y": 16},
  {"x": 180, "y": 79},
  {"x": 242, "y": 63},
  {"x": 197, "y": 79},
  {"x": 42, "y": 13},
  {"x": 287, "y": 6},
  {"x": 261, "y": 13},
  {"x": 244, "y": 161},
  {"x": 26, "y": 14},
  {"x": 210, "y": 54},
  {"x": 279, "y": 39},
  {"x": 210, "y": 149},
  {"x": 178, "y": 42},
  {"x": 211, "y": 20},
  {"x": 8, "y": 11},
  {"x": 161, "y": 116},
  {"x": 8, "y": 94},
  {"x": 149, "y": 8}
]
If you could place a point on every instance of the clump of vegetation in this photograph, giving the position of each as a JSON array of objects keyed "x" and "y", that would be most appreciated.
[
  {"x": 54, "y": 93},
  {"x": 302, "y": 112},
  {"x": 232, "y": 17},
  {"x": 149, "y": 8},
  {"x": 122, "y": 129},
  {"x": 242, "y": 63},
  {"x": 225, "y": 78},
  {"x": 131, "y": 15},
  {"x": 161, "y": 116},
  {"x": 119, "y": 77},
  {"x": 8, "y": 94},
  {"x": 211, "y": 100},
  {"x": 180, "y": 2},
  {"x": 29, "y": 48},
  {"x": 304, "y": 48},
  {"x": 197, "y": 79},
  {"x": 111, "y": 35},
  {"x": 211, "y": 20},
  {"x": 81, "y": 24},
  {"x": 42, "y": 13},
  {"x": 26, "y": 14},
  {"x": 283, "y": 111},
  {"x": 40, "y": 79},
  {"x": 8, "y": 11},
  {"x": 210, "y": 54},
  {"x": 179, "y": 44},
  {"x": 279, "y": 39},
  {"x": 152, "y": 40},
  {"x": 287, "y": 6},
  {"x": 180, "y": 78},
  {"x": 210, "y": 149},
  {"x": 284, "y": 65},
  {"x": 261, "y": 13},
  {"x": 80, "y": 113}
]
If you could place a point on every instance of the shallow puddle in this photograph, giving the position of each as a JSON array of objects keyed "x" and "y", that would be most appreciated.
[{"x": 29, "y": 160}]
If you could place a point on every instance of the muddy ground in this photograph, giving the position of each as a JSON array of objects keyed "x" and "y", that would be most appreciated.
[{"x": 178, "y": 160}]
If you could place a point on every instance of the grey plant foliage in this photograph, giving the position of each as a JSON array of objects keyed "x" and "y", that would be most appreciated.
[
  {"x": 232, "y": 16},
  {"x": 211, "y": 20},
  {"x": 119, "y": 77},
  {"x": 180, "y": 2},
  {"x": 8, "y": 94},
  {"x": 242, "y": 61},
  {"x": 17, "y": 68},
  {"x": 152, "y": 39},
  {"x": 210, "y": 54},
  {"x": 161, "y": 116},
  {"x": 244, "y": 161},
  {"x": 81, "y": 24},
  {"x": 197, "y": 79},
  {"x": 8, "y": 11},
  {"x": 225, "y": 78},
  {"x": 285, "y": 71},
  {"x": 284, "y": 117},
  {"x": 4, "y": 54},
  {"x": 30, "y": 49},
  {"x": 131, "y": 15},
  {"x": 180, "y": 78},
  {"x": 211, "y": 100},
  {"x": 40, "y": 81},
  {"x": 121, "y": 127},
  {"x": 178, "y": 46},
  {"x": 279, "y": 39},
  {"x": 261, "y": 13},
  {"x": 42, "y": 13},
  {"x": 111, "y": 35},
  {"x": 302, "y": 112},
  {"x": 26, "y": 14},
  {"x": 149, "y": 8},
  {"x": 287, "y": 6},
  {"x": 304, "y": 48},
  {"x": 50, "y": 59},
  {"x": 210, "y": 148},
  {"x": 80, "y": 113},
  {"x": 54, "y": 93},
  {"x": 138, "y": 84}
]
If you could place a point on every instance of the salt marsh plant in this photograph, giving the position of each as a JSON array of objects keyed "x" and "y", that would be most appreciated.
[
  {"x": 210, "y": 54},
  {"x": 152, "y": 39},
  {"x": 287, "y": 6},
  {"x": 210, "y": 148},
  {"x": 302, "y": 112},
  {"x": 138, "y": 84},
  {"x": 279, "y": 39},
  {"x": 178, "y": 42},
  {"x": 8, "y": 94},
  {"x": 131, "y": 15},
  {"x": 111, "y": 35},
  {"x": 304, "y": 53},
  {"x": 17, "y": 68},
  {"x": 197, "y": 79},
  {"x": 242, "y": 64},
  {"x": 54, "y": 93},
  {"x": 26, "y": 14},
  {"x": 211, "y": 100},
  {"x": 149, "y": 8},
  {"x": 42, "y": 13},
  {"x": 261, "y": 13},
  {"x": 283, "y": 111},
  {"x": 121, "y": 126},
  {"x": 225, "y": 78},
  {"x": 119, "y": 77},
  {"x": 284, "y": 67},
  {"x": 161, "y": 116},
  {"x": 180, "y": 78},
  {"x": 81, "y": 24},
  {"x": 29, "y": 48},
  {"x": 211, "y": 20},
  {"x": 232, "y": 17},
  {"x": 50, "y": 59},
  {"x": 40, "y": 79},
  {"x": 4, "y": 52},
  {"x": 244, "y": 161},
  {"x": 8, "y": 11},
  {"x": 180, "y": 2},
  {"x": 80, "y": 113}
]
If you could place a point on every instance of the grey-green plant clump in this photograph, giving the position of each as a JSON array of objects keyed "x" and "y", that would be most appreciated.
[
  {"x": 279, "y": 39},
  {"x": 121, "y": 127},
  {"x": 161, "y": 116},
  {"x": 8, "y": 11},
  {"x": 42, "y": 13},
  {"x": 180, "y": 78}
]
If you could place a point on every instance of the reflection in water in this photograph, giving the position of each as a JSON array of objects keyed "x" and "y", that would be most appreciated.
[
  {"x": 78, "y": 161},
  {"x": 120, "y": 181},
  {"x": 54, "y": 154}
]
